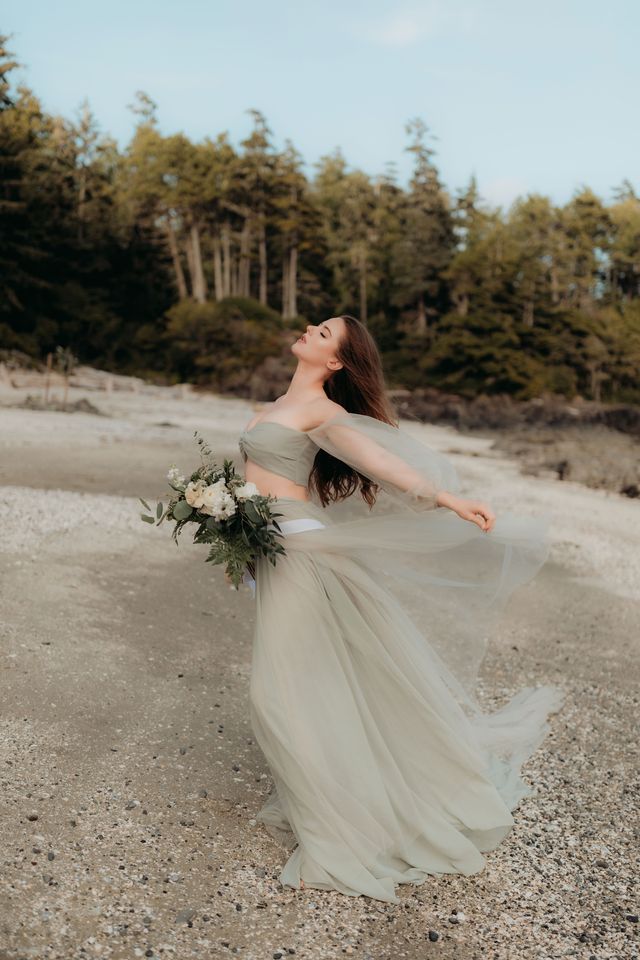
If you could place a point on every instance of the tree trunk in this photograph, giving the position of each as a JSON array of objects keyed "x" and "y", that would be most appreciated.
[
  {"x": 181, "y": 283},
  {"x": 293, "y": 281},
  {"x": 226, "y": 264},
  {"x": 527, "y": 313},
  {"x": 235, "y": 276},
  {"x": 199, "y": 282},
  {"x": 263, "y": 264},
  {"x": 190, "y": 263},
  {"x": 217, "y": 268},
  {"x": 245, "y": 259}
]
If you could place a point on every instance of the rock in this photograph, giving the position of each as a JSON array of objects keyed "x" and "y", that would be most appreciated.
[
  {"x": 433, "y": 935},
  {"x": 32, "y": 816},
  {"x": 185, "y": 915}
]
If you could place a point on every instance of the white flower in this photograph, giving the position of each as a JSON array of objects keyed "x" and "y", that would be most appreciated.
[
  {"x": 217, "y": 501},
  {"x": 247, "y": 490},
  {"x": 212, "y": 496},
  {"x": 175, "y": 477},
  {"x": 227, "y": 508},
  {"x": 193, "y": 493},
  {"x": 221, "y": 509}
]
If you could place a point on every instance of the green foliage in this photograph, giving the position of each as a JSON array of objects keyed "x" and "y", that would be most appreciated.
[
  {"x": 221, "y": 343},
  {"x": 196, "y": 261},
  {"x": 235, "y": 538}
]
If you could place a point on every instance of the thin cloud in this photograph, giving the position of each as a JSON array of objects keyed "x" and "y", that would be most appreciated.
[{"x": 408, "y": 26}]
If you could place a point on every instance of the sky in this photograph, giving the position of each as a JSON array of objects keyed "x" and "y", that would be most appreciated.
[{"x": 528, "y": 97}]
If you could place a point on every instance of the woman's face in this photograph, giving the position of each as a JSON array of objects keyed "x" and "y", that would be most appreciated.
[{"x": 319, "y": 345}]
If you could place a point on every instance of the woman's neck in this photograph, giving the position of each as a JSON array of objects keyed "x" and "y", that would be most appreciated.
[{"x": 306, "y": 384}]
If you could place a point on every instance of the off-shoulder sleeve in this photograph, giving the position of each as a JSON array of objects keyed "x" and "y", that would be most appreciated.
[{"x": 407, "y": 469}]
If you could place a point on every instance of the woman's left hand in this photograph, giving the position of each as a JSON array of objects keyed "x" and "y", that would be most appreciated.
[{"x": 476, "y": 511}]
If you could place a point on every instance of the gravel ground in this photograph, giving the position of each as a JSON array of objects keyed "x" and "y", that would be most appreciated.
[{"x": 130, "y": 777}]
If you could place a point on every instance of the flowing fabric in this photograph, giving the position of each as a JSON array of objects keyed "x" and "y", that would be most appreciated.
[{"x": 369, "y": 636}]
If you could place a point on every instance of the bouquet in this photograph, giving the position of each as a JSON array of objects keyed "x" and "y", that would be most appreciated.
[{"x": 228, "y": 513}]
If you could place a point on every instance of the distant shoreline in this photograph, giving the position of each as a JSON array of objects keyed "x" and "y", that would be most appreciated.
[{"x": 594, "y": 444}]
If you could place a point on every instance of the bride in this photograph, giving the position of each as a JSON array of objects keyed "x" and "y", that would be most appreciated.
[{"x": 370, "y": 632}]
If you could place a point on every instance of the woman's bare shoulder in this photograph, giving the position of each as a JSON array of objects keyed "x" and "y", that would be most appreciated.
[{"x": 324, "y": 408}]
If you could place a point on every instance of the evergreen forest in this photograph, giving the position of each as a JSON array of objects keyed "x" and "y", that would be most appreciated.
[{"x": 178, "y": 260}]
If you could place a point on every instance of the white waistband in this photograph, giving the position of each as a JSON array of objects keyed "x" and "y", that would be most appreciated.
[
  {"x": 297, "y": 525},
  {"x": 286, "y": 526}
]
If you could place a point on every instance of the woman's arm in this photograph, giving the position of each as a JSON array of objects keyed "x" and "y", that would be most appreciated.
[
  {"x": 403, "y": 466},
  {"x": 476, "y": 511}
]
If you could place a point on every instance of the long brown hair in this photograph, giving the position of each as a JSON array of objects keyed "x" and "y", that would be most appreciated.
[{"x": 359, "y": 387}]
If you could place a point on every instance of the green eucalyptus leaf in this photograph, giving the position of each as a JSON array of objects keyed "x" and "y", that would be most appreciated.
[
  {"x": 146, "y": 519},
  {"x": 251, "y": 512},
  {"x": 182, "y": 510}
]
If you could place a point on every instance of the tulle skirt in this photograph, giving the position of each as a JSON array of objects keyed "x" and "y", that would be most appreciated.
[{"x": 380, "y": 775}]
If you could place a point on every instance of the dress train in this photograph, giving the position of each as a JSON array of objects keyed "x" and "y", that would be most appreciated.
[{"x": 385, "y": 768}]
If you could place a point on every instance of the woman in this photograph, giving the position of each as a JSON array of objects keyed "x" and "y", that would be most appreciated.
[{"x": 370, "y": 632}]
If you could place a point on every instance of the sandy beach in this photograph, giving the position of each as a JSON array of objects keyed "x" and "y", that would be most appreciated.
[{"x": 130, "y": 774}]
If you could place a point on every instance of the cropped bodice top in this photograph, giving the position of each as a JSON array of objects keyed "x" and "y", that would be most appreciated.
[{"x": 283, "y": 450}]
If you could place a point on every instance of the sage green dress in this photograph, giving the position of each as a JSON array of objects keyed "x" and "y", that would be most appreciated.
[{"x": 369, "y": 635}]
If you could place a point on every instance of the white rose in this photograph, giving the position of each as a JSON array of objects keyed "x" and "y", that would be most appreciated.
[
  {"x": 227, "y": 508},
  {"x": 193, "y": 493},
  {"x": 248, "y": 489},
  {"x": 220, "y": 507},
  {"x": 212, "y": 497}
]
